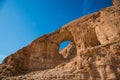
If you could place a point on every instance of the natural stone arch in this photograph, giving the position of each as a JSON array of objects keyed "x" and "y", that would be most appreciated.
[
  {"x": 60, "y": 36},
  {"x": 47, "y": 49}
]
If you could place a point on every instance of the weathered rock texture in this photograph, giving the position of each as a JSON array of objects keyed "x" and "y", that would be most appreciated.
[{"x": 93, "y": 54}]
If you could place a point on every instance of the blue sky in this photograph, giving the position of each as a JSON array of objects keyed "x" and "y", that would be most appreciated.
[{"x": 22, "y": 21}]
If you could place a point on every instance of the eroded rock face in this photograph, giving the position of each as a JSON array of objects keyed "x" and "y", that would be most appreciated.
[
  {"x": 108, "y": 27},
  {"x": 93, "y": 54},
  {"x": 96, "y": 63}
]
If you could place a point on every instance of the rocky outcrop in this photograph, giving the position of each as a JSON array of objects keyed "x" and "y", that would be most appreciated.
[
  {"x": 108, "y": 27},
  {"x": 93, "y": 54},
  {"x": 96, "y": 63}
]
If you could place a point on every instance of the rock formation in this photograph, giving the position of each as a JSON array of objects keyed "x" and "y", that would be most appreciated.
[{"x": 93, "y": 54}]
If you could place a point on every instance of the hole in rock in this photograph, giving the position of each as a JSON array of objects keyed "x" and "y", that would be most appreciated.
[
  {"x": 67, "y": 49},
  {"x": 64, "y": 44}
]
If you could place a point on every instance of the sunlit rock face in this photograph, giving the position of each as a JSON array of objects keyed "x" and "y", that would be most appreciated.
[
  {"x": 116, "y": 4},
  {"x": 108, "y": 27},
  {"x": 93, "y": 53}
]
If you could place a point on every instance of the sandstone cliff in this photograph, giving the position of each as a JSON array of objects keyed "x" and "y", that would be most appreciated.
[{"x": 93, "y": 54}]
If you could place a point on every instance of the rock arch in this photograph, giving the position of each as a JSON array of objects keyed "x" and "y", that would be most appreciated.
[
  {"x": 42, "y": 53},
  {"x": 46, "y": 48}
]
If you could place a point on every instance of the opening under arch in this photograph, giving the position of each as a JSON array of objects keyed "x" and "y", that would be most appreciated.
[
  {"x": 67, "y": 49},
  {"x": 64, "y": 44}
]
